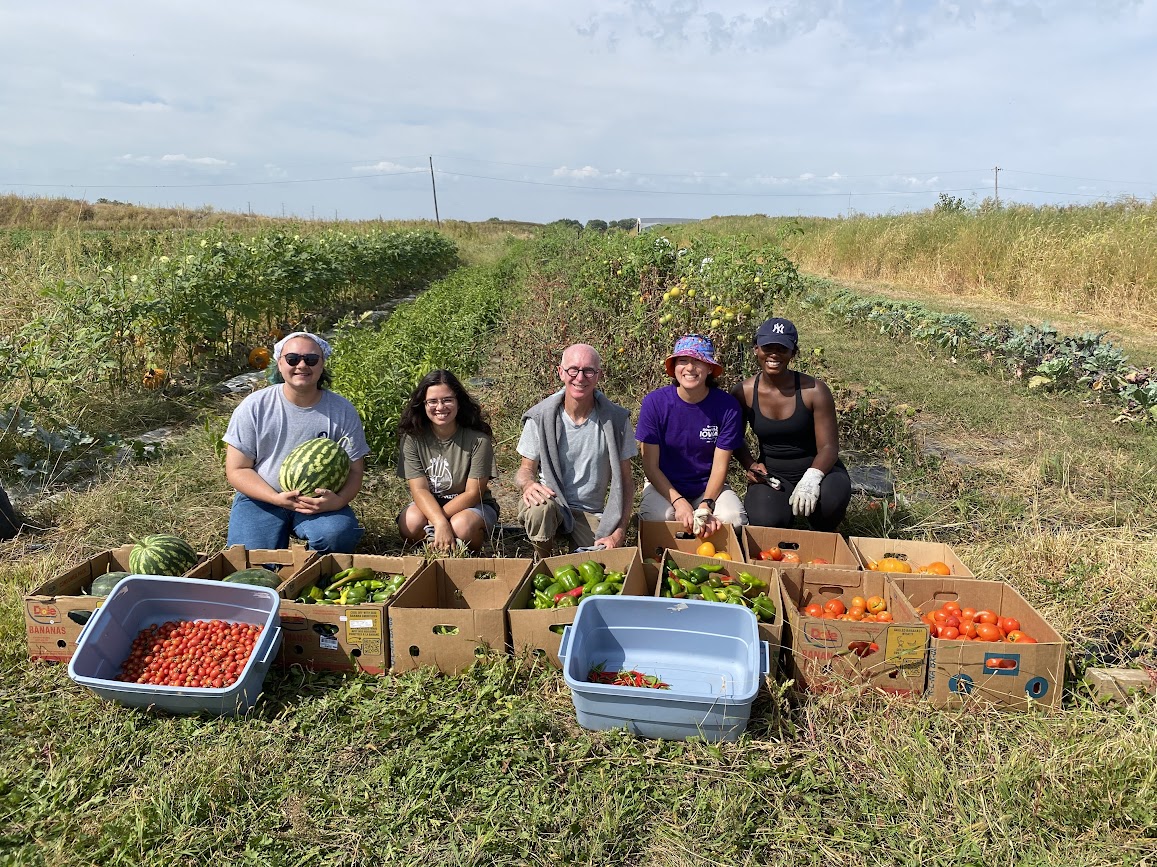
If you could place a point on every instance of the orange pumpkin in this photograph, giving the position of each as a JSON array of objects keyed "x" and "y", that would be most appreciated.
[
  {"x": 259, "y": 358},
  {"x": 891, "y": 564},
  {"x": 154, "y": 377}
]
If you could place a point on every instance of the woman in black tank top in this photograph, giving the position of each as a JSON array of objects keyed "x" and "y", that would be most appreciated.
[{"x": 793, "y": 417}]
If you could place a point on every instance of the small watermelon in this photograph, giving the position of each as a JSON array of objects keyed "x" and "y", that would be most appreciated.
[
  {"x": 316, "y": 463},
  {"x": 102, "y": 585},
  {"x": 162, "y": 554},
  {"x": 258, "y": 575}
]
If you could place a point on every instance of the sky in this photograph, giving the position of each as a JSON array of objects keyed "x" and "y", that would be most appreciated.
[{"x": 537, "y": 111}]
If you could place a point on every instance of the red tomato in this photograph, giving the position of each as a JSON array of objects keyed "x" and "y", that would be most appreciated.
[
  {"x": 987, "y": 632},
  {"x": 1008, "y": 624},
  {"x": 814, "y": 610},
  {"x": 986, "y": 616},
  {"x": 835, "y": 606},
  {"x": 948, "y": 633}
]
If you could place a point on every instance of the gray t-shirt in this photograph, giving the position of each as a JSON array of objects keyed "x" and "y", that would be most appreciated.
[
  {"x": 584, "y": 454},
  {"x": 447, "y": 465},
  {"x": 266, "y": 427}
]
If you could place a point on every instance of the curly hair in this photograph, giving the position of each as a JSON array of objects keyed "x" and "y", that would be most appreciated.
[{"x": 414, "y": 420}]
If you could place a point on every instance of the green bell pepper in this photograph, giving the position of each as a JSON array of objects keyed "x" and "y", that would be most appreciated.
[
  {"x": 591, "y": 570},
  {"x": 542, "y": 580},
  {"x": 568, "y": 578},
  {"x": 764, "y": 608}
]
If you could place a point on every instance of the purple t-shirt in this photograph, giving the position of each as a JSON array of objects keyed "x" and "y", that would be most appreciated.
[{"x": 689, "y": 433}]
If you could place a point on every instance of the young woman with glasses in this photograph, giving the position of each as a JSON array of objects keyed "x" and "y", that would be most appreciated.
[
  {"x": 265, "y": 427},
  {"x": 446, "y": 456}
]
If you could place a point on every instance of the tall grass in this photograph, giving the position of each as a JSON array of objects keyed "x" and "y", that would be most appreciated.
[{"x": 1071, "y": 259}]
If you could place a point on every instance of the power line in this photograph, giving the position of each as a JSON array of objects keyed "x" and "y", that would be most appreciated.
[{"x": 1074, "y": 178}]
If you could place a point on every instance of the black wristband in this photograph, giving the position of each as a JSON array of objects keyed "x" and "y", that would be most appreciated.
[{"x": 677, "y": 499}]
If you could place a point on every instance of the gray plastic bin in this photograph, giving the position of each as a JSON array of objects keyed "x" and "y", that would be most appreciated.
[
  {"x": 140, "y": 601},
  {"x": 709, "y": 654}
]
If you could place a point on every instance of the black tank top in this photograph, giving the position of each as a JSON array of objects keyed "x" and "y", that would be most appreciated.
[{"x": 791, "y": 438}]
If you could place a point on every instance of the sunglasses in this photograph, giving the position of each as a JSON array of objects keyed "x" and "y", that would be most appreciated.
[{"x": 293, "y": 359}]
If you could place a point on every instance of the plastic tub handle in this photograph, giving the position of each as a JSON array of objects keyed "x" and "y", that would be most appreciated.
[
  {"x": 85, "y": 628},
  {"x": 276, "y": 640},
  {"x": 765, "y": 657},
  {"x": 564, "y": 644}
]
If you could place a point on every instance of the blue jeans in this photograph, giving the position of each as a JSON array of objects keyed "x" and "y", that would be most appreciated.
[{"x": 256, "y": 524}]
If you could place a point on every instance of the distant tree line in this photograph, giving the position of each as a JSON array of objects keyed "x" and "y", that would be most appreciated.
[{"x": 628, "y": 225}]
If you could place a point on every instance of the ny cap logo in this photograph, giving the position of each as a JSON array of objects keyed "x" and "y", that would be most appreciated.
[{"x": 777, "y": 328}]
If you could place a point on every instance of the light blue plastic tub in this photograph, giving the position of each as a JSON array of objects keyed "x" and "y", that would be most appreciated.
[
  {"x": 707, "y": 652},
  {"x": 140, "y": 601}
]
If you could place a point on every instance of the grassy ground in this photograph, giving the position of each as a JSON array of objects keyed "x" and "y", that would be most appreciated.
[{"x": 491, "y": 768}]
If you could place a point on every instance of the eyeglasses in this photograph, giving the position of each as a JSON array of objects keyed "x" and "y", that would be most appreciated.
[
  {"x": 435, "y": 402},
  {"x": 293, "y": 359},
  {"x": 585, "y": 372}
]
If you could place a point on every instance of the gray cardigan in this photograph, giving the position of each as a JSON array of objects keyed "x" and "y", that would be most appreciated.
[{"x": 547, "y": 415}]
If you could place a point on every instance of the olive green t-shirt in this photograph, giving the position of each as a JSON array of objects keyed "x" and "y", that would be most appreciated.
[{"x": 448, "y": 464}]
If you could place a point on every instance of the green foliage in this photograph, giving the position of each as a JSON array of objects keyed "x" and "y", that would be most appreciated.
[
  {"x": 1039, "y": 355},
  {"x": 447, "y": 326},
  {"x": 655, "y": 288}
]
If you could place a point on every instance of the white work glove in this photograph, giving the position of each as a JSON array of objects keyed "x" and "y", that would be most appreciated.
[
  {"x": 807, "y": 493},
  {"x": 701, "y": 516}
]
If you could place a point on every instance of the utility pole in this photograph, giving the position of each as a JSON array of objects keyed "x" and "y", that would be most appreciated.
[
  {"x": 434, "y": 187},
  {"x": 996, "y": 184}
]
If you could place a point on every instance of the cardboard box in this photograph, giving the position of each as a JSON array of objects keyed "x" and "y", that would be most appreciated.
[
  {"x": 539, "y": 631},
  {"x": 339, "y": 637},
  {"x": 1109, "y": 685},
  {"x": 808, "y": 545},
  {"x": 452, "y": 610},
  {"x": 656, "y": 537},
  {"x": 831, "y": 655},
  {"x": 1014, "y": 676},
  {"x": 772, "y": 633},
  {"x": 286, "y": 562},
  {"x": 57, "y": 610},
  {"x": 869, "y": 549}
]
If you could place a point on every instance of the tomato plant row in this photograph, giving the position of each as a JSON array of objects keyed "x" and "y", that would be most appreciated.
[{"x": 1038, "y": 354}]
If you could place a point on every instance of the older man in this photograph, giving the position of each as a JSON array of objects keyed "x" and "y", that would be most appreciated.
[{"x": 576, "y": 449}]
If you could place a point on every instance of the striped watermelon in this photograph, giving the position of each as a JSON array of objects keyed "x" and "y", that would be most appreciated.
[
  {"x": 316, "y": 463},
  {"x": 162, "y": 554}
]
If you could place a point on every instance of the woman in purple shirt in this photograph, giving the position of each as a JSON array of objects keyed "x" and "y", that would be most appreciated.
[{"x": 687, "y": 433}]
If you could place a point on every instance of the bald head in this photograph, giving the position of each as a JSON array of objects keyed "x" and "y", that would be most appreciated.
[{"x": 581, "y": 355}]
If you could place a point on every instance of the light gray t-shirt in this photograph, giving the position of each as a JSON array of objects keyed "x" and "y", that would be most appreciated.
[
  {"x": 266, "y": 427},
  {"x": 585, "y": 455}
]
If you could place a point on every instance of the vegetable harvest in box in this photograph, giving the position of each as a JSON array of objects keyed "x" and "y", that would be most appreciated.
[
  {"x": 352, "y": 587},
  {"x": 704, "y": 582},
  {"x": 569, "y": 585}
]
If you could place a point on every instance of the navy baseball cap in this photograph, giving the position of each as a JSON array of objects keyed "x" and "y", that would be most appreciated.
[{"x": 779, "y": 331}]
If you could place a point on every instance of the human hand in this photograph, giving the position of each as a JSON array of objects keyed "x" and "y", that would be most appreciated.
[
  {"x": 757, "y": 472},
  {"x": 612, "y": 541},
  {"x": 685, "y": 514},
  {"x": 441, "y": 536},
  {"x": 536, "y": 494},
  {"x": 324, "y": 500},
  {"x": 705, "y": 523},
  {"x": 807, "y": 493}
]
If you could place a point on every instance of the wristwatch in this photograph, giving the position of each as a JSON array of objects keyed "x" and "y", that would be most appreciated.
[{"x": 708, "y": 502}]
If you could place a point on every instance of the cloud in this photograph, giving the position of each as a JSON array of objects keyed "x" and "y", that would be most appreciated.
[
  {"x": 875, "y": 25},
  {"x": 174, "y": 160},
  {"x": 587, "y": 172},
  {"x": 384, "y": 167}
]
